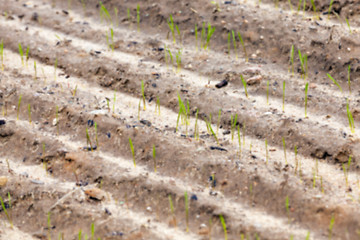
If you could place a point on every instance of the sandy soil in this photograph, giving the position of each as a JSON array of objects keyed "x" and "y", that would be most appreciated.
[{"x": 248, "y": 173}]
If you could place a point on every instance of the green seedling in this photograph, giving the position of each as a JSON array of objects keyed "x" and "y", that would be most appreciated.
[
  {"x": 55, "y": 67},
  {"x": 245, "y": 85},
  {"x": 348, "y": 24},
  {"x": 5, "y": 211},
  {"x": 299, "y": 6},
  {"x": 196, "y": 37},
  {"x": 183, "y": 113},
  {"x": 104, "y": 13},
  {"x": 330, "y": 7},
  {"x": 331, "y": 226},
  {"x": 172, "y": 27},
  {"x": 186, "y": 211},
  {"x": 196, "y": 128},
  {"x": 233, "y": 125},
  {"x": 283, "y": 97},
  {"x": 212, "y": 132},
  {"x": 303, "y": 62},
  {"x": 234, "y": 42},
  {"x": 306, "y": 97},
  {"x": 178, "y": 31},
  {"x": 308, "y": 236},
  {"x": 43, "y": 155},
  {"x": 2, "y": 54},
  {"x": 88, "y": 140},
  {"x": 132, "y": 151},
  {"x": 171, "y": 58},
  {"x": 335, "y": 82},
  {"x": 350, "y": 117},
  {"x": 229, "y": 43},
  {"x": 239, "y": 140},
  {"x": 210, "y": 32},
  {"x": 276, "y": 3},
  {"x": 291, "y": 67},
  {"x": 291, "y": 6},
  {"x": 304, "y": 7},
  {"x": 166, "y": 56},
  {"x": 74, "y": 91},
  {"x": 143, "y": 94},
  {"x": 296, "y": 159},
  {"x": 18, "y": 108},
  {"x": 138, "y": 17},
  {"x": 29, "y": 111},
  {"x": 157, "y": 106},
  {"x": 129, "y": 16},
  {"x": 338, "y": 18},
  {"x": 92, "y": 231},
  {"x": 178, "y": 61},
  {"x": 21, "y": 54},
  {"x": 267, "y": 92},
  {"x": 287, "y": 206},
  {"x": 27, "y": 55},
  {"x": 114, "y": 101},
  {"x": 349, "y": 69},
  {"x": 266, "y": 151},
  {"x": 49, "y": 225},
  {"x": 217, "y": 6},
  {"x": 314, "y": 8},
  {"x": 218, "y": 123},
  {"x": 57, "y": 119},
  {"x": 202, "y": 37},
  {"x": 283, "y": 141},
  {"x": 116, "y": 11},
  {"x": 79, "y": 235},
  {"x": 222, "y": 220},
  {"x": 154, "y": 157},
  {"x": 96, "y": 135},
  {"x": 172, "y": 210},
  {"x": 243, "y": 45},
  {"x": 345, "y": 175},
  {"x": 112, "y": 44},
  {"x": 35, "y": 71},
  {"x": 321, "y": 184}
]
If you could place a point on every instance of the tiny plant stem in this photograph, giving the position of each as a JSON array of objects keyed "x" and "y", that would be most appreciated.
[
  {"x": 210, "y": 32},
  {"x": 306, "y": 98},
  {"x": 154, "y": 157},
  {"x": 243, "y": 45},
  {"x": 27, "y": 55},
  {"x": 21, "y": 54},
  {"x": 287, "y": 207},
  {"x": 350, "y": 117},
  {"x": 196, "y": 128},
  {"x": 18, "y": 108},
  {"x": 138, "y": 17},
  {"x": 222, "y": 220},
  {"x": 92, "y": 231},
  {"x": 55, "y": 67},
  {"x": 2, "y": 54},
  {"x": 88, "y": 138},
  {"x": 330, "y": 7},
  {"x": 132, "y": 151},
  {"x": 291, "y": 68},
  {"x": 143, "y": 94},
  {"x": 291, "y": 6},
  {"x": 331, "y": 226},
  {"x": 172, "y": 210},
  {"x": 186, "y": 211},
  {"x": 49, "y": 225},
  {"x": 314, "y": 8},
  {"x": 202, "y": 36},
  {"x": 245, "y": 85},
  {"x": 6, "y": 212},
  {"x": 267, "y": 92},
  {"x": 348, "y": 24},
  {"x": 29, "y": 111},
  {"x": 35, "y": 71},
  {"x": 284, "y": 145},
  {"x": 96, "y": 134},
  {"x": 178, "y": 31},
  {"x": 266, "y": 151},
  {"x": 335, "y": 82},
  {"x": 229, "y": 43},
  {"x": 172, "y": 27},
  {"x": 234, "y": 42},
  {"x": 349, "y": 70},
  {"x": 283, "y": 97},
  {"x": 243, "y": 134},
  {"x": 116, "y": 11}
]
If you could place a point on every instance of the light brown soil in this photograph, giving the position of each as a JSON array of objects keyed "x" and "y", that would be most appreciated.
[{"x": 48, "y": 168}]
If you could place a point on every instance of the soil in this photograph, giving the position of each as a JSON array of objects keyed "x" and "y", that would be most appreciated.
[{"x": 70, "y": 108}]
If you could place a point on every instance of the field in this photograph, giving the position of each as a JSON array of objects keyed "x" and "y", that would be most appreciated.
[{"x": 166, "y": 119}]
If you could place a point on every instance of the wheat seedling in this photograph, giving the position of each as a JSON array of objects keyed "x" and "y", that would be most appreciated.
[
  {"x": 116, "y": 11},
  {"x": 321, "y": 184},
  {"x": 234, "y": 42},
  {"x": 291, "y": 6},
  {"x": 245, "y": 85},
  {"x": 143, "y": 93},
  {"x": 350, "y": 117},
  {"x": 172, "y": 210},
  {"x": 186, "y": 211},
  {"x": 287, "y": 207},
  {"x": 331, "y": 226},
  {"x": 314, "y": 9},
  {"x": 222, "y": 220},
  {"x": 55, "y": 67},
  {"x": 306, "y": 97},
  {"x": 132, "y": 151},
  {"x": 88, "y": 140},
  {"x": 154, "y": 157},
  {"x": 291, "y": 67},
  {"x": 138, "y": 17},
  {"x": 330, "y": 7},
  {"x": 27, "y": 55},
  {"x": 104, "y": 13},
  {"x": 267, "y": 92},
  {"x": 80, "y": 235},
  {"x": 18, "y": 108},
  {"x": 96, "y": 135},
  {"x": 35, "y": 71},
  {"x": 172, "y": 27},
  {"x": 178, "y": 61},
  {"x": 49, "y": 225},
  {"x": 178, "y": 31},
  {"x": 129, "y": 17},
  {"x": 92, "y": 231},
  {"x": 74, "y": 92},
  {"x": 233, "y": 125},
  {"x": 21, "y": 54},
  {"x": 210, "y": 32},
  {"x": 5, "y": 211},
  {"x": 348, "y": 24},
  {"x": 112, "y": 45},
  {"x": 196, "y": 128},
  {"x": 335, "y": 82},
  {"x": 157, "y": 106},
  {"x": 345, "y": 174},
  {"x": 243, "y": 45},
  {"x": 244, "y": 134},
  {"x": 229, "y": 42},
  {"x": 349, "y": 69}
]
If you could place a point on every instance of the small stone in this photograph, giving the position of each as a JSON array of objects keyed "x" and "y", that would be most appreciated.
[
  {"x": 3, "y": 181},
  {"x": 95, "y": 193},
  {"x": 2, "y": 122},
  {"x": 54, "y": 122},
  {"x": 254, "y": 80},
  {"x": 221, "y": 84}
]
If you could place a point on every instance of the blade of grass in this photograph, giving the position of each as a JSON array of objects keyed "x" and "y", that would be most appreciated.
[
  {"x": 224, "y": 226},
  {"x": 234, "y": 42},
  {"x": 143, "y": 93},
  {"x": 6, "y": 212},
  {"x": 283, "y": 97},
  {"x": 18, "y": 108},
  {"x": 132, "y": 151},
  {"x": 21, "y": 54},
  {"x": 335, "y": 82},
  {"x": 243, "y": 45},
  {"x": 245, "y": 85},
  {"x": 138, "y": 17},
  {"x": 186, "y": 211},
  {"x": 283, "y": 141},
  {"x": 306, "y": 98},
  {"x": 154, "y": 157}
]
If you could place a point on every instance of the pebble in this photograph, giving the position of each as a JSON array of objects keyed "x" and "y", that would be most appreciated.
[
  {"x": 254, "y": 80},
  {"x": 37, "y": 182},
  {"x": 2, "y": 122},
  {"x": 95, "y": 193},
  {"x": 221, "y": 84},
  {"x": 3, "y": 181}
]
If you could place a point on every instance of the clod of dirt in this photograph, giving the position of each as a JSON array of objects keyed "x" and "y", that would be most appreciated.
[
  {"x": 221, "y": 84},
  {"x": 7, "y": 130},
  {"x": 95, "y": 194},
  {"x": 218, "y": 148},
  {"x": 2, "y": 122},
  {"x": 146, "y": 122},
  {"x": 254, "y": 80},
  {"x": 3, "y": 181}
]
